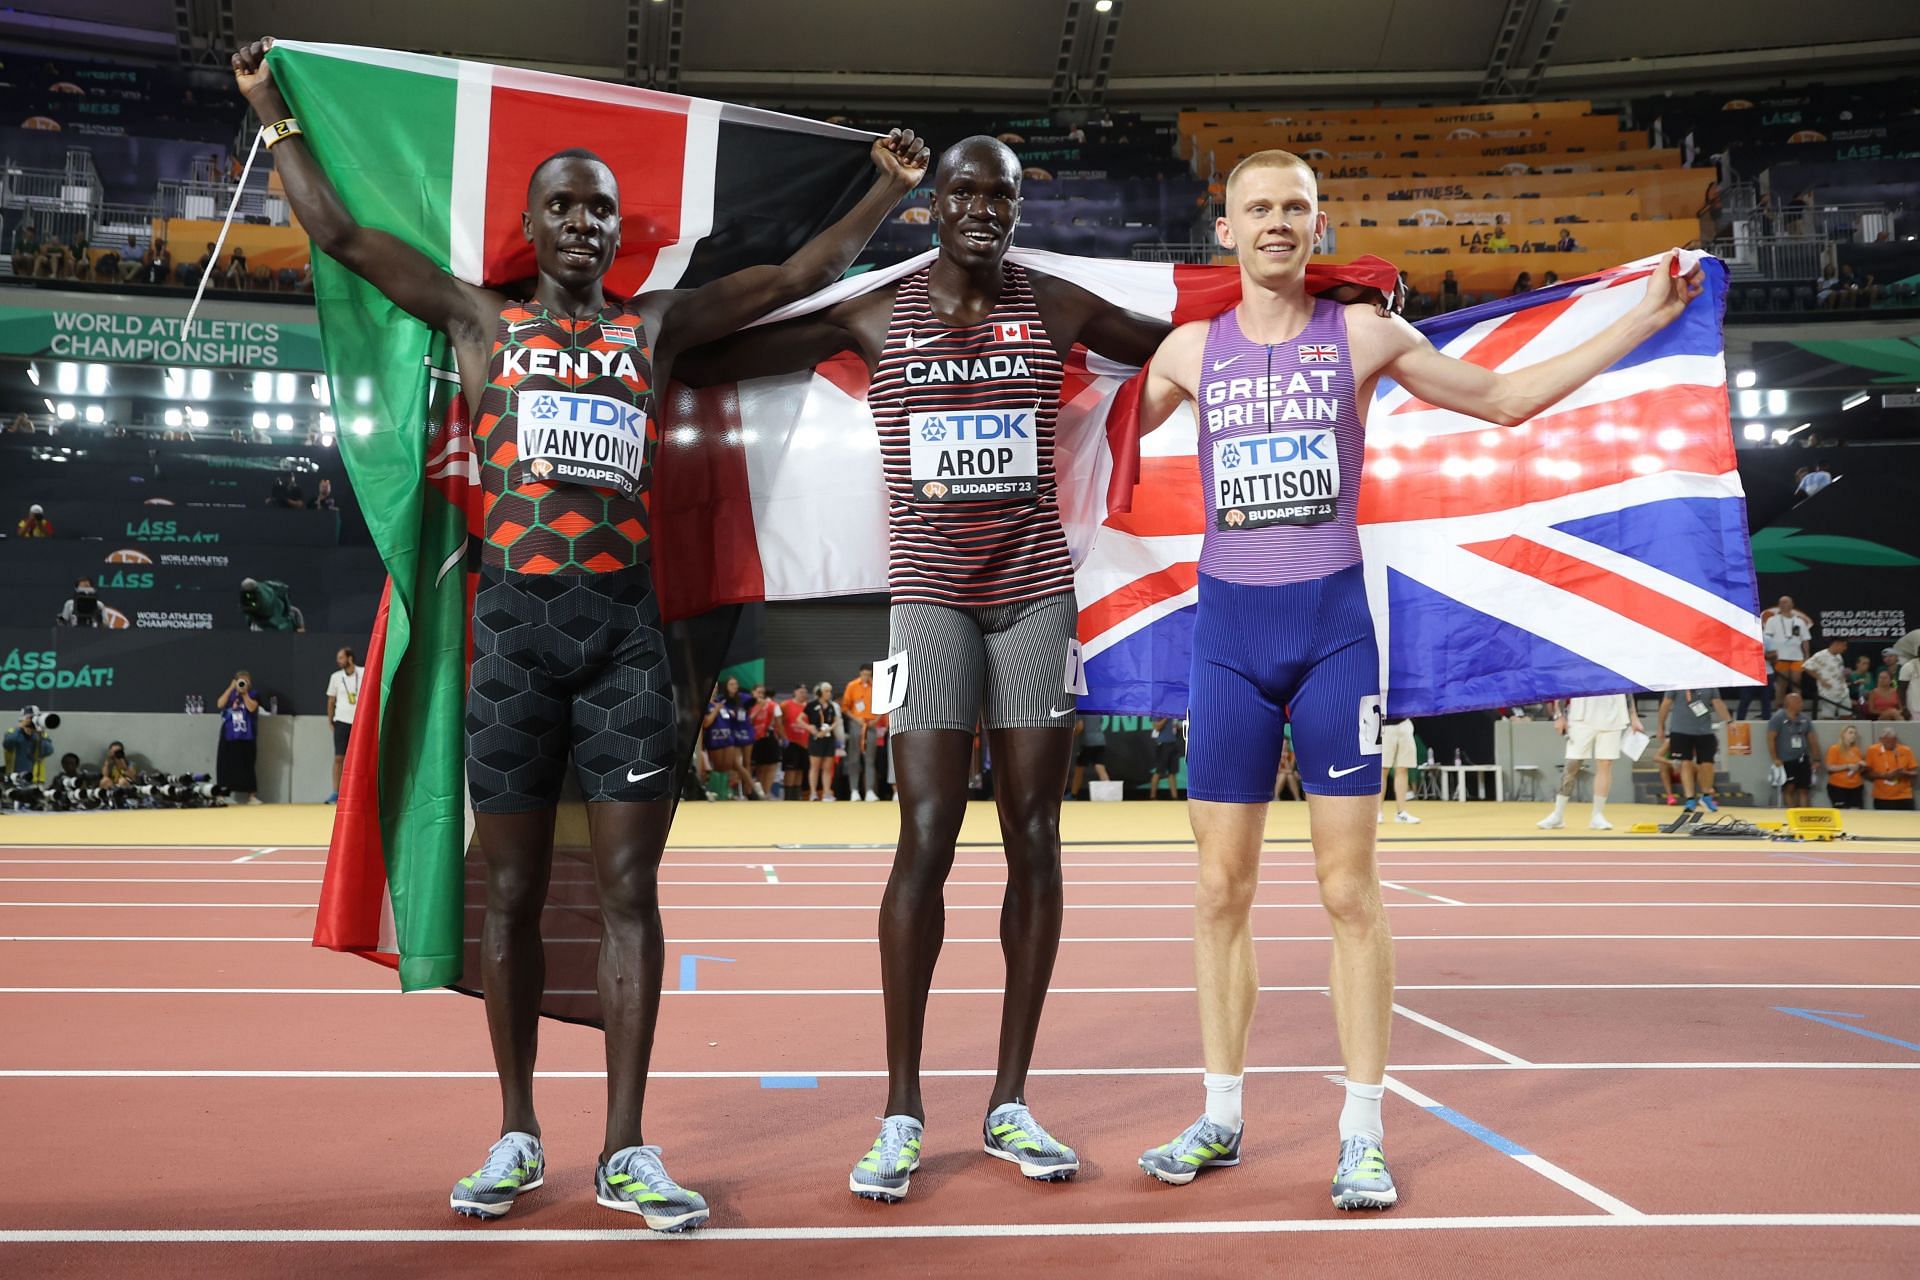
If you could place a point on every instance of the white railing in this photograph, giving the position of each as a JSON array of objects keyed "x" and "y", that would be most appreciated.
[
  {"x": 1752, "y": 256},
  {"x": 1196, "y": 253}
]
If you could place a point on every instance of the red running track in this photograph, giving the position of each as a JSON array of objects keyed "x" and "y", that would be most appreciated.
[{"x": 1593, "y": 1073}]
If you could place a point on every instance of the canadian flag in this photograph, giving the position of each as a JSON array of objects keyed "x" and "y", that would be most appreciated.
[{"x": 1018, "y": 332}]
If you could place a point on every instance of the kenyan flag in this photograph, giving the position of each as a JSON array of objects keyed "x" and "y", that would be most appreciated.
[{"x": 438, "y": 152}]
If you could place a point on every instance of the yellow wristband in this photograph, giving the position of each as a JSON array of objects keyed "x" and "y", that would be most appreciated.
[{"x": 279, "y": 131}]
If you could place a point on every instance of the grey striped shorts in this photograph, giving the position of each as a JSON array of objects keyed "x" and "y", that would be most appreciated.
[{"x": 1004, "y": 666}]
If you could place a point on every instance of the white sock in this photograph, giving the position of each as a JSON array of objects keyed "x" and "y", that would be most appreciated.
[
  {"x": 1361, "y": 1115},
  {"x": 1599, "y": 807},
  {"x": 1223, "y": 1099},
  {"x": 1559, "y": 806}
]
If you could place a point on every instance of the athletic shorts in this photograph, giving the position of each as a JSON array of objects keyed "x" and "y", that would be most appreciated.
[
  {"x": 766, "y": 751},
  {"x": 1694, "y": 748},
  {"x": 1789, "y": 667},
  {"x": 341, "y": 730},
  {"x": 1005, "y": 666},
  {"x": 1397, "y": 747},
  {"x": 822, "y": 748},
  {"x": 1265, "y": 655},
  {"x": 793, "y": 756},
  {"x": 1166, "y": 758},
  {"x": 1904, "y": 805},
  {"x": 1091, "y": 756},
  {"x": 1584, "y": 742},
  {"x": 1799, "y": 772},
  {"x": 568, "y": 665},
  {"x": 1846, "y": 797}
]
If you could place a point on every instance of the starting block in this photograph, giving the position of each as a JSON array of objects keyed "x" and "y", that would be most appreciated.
[{"x": 1814, "y": 824}]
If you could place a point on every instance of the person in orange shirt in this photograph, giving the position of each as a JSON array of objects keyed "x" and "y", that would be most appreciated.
[
  {"x": 1847, "y": 771},
  {"x": 863, "y": 742},
  {"x": 1891, "y": 765}
]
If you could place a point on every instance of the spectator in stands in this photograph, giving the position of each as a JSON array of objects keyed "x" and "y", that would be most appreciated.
[
  {"x": 863, "y": 744},
  {"x": 27, "y": 745},
  {"x": 1846, "y": 771},
  {"x": 1566, "y": 243},
  {"x": 1449, "y": 292},
  {"x": 1847, "y": 293},
  {"x": 82, "y": 608},
  {"x": 156, "y": 263},
  {"x": 1785, "y": 632},
  {"x": 1826, "y": 290},
  {"x": 133, "y": 260},
  {"x": 115, "y": 769},
  {"x": 1883, "y": 700},
  {"x": 1891, "y": 767},
  {"x": 26, "y": 248},
  {"x": 323, "y": 499},
  {"x": 343, "y": 695},
  {"x": 798, "y": 734},
  {"x": 287, "y": 493},
  {"x": 36, "y": 525},
  {"x": 1870, "y": 291},
  {"x": 1497, "y": 241},
  {"x": 286, "y": 280},
  {"x": 55, "y": 261},
  {"x": 1522, "y": 283},
  {"x": 1812, "y": 479},
  {"x": 763, "y": 715},
  {"x": 239, "y": 742},
  {"x": 1792, "y": 744},
  {"x": 823, "y": 720},
  {"x": 1859, "y": 681},
  {"x": 235, "y": 276},
  {"x": 1551, "y": 278},
  {"x": 106, "y": 268},
  {"x": 1167, "y": 750},
  {"x": 22, "y": 425},
  {"x": 1829, "y": 671}
]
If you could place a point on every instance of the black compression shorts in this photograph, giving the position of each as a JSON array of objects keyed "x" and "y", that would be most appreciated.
[{"x": 568, "y": 665}]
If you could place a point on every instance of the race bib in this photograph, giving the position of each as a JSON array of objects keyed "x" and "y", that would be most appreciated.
[
  {"x": 1076, "y": 682},
  {"x": 1372, "y": 727},
  {"x": 889, "y": 683},
  {"x": 975, "y": 457},
  {"x": 1289, "y": 477},
  {"x": 572, "y": 437}
]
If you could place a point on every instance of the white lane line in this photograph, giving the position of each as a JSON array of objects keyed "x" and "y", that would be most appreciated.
[
  {"x": 869, "y": 907},
  {"x": 715, "y": 1236},
  {"x": 1593, "y": 1195},
  {"x": 1421, "y": 893},
  {"x": 1454, "y": 1033},
  {"x": 996, "y": 992},
  {"x": 246, "y": 1073},
  {"x": 1179, "y": 940},
  {"x": 258, "y": 853}
]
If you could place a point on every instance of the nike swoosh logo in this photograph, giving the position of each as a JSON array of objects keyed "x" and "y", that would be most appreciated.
[
  {"x": 1341, "y": 773},
  {"x": 1056, "y": 714},
  {"x": 641, "y": 777},
  {"x": 1218, "y": 365},
  {"x": 912, "y": 341},
  {"x": 518, "y": 325}
]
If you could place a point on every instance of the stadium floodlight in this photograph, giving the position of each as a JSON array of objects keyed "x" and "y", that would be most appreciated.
[
  {"x": 1749, "y": 404},
  {"x": 323, "y": 390},
  {"x": 96, "y": 415},
  {"x": 262, "y": 387},
  {"x": 326, "y": 440},
  {"x": 64, "y": 411},
  {"x": 363, "y": 426},
  {"x": 326, "y": 422},
  {"x": 285, "y": 387},
  {"x": 49, "y": 403},
  {"x": 1754, "y": 431},
  {"x": 96, "y": 379},
  {"x": 284, "y": 421},
  {"x": 66, "y": 376},
  {"x": 33, "y": 373},
  {"x": 1776, "y": 402},
  {"x": 174, "y": 384},
  {"x": 1745, "y": 378},
  {"x": 1854, "y": 401},
  {"x": 171, "y": 417},
  {"x": 200, "y": 383},
  {"x": 1780, "y": 435},
  {"x": 260, "y": 421},
  {"x": 1102, "y": 6},
  {"x": 198, "y": 417}
]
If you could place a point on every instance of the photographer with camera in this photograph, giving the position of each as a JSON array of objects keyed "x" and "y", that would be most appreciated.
[
  {"x": 28, "y": 744},
  {"x": 82, "y": 609},
  {"x": 239, "y": 746},
  {"x": 116, "y": 770}
]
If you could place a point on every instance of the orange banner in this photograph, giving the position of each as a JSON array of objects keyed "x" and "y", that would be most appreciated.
[{"x": 1673, "y": 193}]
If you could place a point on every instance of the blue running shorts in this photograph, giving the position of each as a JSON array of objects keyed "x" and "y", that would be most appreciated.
[{"x": 1265, "y": 655}]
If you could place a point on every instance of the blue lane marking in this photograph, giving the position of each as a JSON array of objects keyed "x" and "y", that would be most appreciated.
[
  {"x": 789, "y": 1082},
  {"x": 689, "y": 970},
  {"x": 1825, "y": 1017},
  {"x": 1473, "y": 1128}
]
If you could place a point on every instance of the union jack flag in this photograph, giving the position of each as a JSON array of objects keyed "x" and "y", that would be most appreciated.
[
  {"x": 1319, "y": 353},
  {"x": 1599, "y": 547}
]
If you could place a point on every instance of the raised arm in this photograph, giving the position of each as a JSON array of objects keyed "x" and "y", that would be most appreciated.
[
  {"x": 859, "y": 324},
  {"x": 1510, "y": 398},
  {"x": 404, "y": 274},
  {"x": 1172, "y": 375},
  {"x": 688, "y": 318}
]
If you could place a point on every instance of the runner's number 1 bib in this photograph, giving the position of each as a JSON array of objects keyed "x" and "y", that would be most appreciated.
[
  {"x": 1288, "y": 477},
  {"x": 985, "y": 456},
  {"x": 572, "y": 437}
]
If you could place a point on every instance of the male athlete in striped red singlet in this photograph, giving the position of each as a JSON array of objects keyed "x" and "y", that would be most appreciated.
[
  {"x": 966, "y": 359},
  {"x": 1283, "y": 634},
  {"x": 568, "y": 655}
]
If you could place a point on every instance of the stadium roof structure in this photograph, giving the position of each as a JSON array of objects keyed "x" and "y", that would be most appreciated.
[{"x": 1055, "y": 53}]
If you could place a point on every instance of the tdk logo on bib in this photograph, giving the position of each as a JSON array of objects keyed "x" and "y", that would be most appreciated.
[
  {"x": 577, "y": 410},
  {"x": 567, "y": 437},
  {"x": 975, "y": 457},
  {"x": 1290, "y": 477}
]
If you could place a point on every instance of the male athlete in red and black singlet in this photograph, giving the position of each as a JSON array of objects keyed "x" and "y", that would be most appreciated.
[
  {"x": 568, "y": 657},
  {"x": 966, "y": 361}
]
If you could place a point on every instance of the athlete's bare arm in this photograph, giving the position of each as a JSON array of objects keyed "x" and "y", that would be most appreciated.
[
  {"x": 464, "y": 312},
  {"x": 684, "y": 319},
  {"x": 1173, "y": 378},
  {"x": 859, "y": 324},
  {"x": 1391, "y": 346}
]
